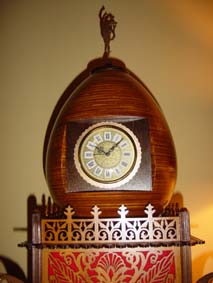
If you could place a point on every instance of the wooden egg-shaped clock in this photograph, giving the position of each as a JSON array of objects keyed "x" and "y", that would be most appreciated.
[{"x": 108, "y": 143}]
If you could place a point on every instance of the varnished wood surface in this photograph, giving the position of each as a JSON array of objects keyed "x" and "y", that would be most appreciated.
[{"x": 111, "y": 92}]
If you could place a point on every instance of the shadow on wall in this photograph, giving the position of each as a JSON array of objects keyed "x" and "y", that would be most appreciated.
[
  {"x": 12, "y": 268},
  {"x": 199, "y": 265},
  {"x": 177, "y": 198},
  {"x": 208, "y": 278}
]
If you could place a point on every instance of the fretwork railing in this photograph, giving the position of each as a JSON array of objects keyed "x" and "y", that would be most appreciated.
[{"x": 120, "y": 230}]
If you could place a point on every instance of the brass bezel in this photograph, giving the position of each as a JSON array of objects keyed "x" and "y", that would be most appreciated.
[{"x": 121, "y": 180}]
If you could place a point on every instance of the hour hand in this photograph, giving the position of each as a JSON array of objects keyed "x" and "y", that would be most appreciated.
[{"x": 100, "y": 150}]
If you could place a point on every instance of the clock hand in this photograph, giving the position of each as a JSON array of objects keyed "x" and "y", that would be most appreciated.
[
  {"x": 100, "y": 150},
  {"x": 113, "y": 147}
]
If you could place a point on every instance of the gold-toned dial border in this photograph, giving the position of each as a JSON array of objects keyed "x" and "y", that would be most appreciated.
[
  {"x": 125, "y": 178},
  {"x": 132, "y": 162}
]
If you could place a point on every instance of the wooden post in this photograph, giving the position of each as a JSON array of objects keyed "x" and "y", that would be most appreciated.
[{"x": 185, "y": 249}]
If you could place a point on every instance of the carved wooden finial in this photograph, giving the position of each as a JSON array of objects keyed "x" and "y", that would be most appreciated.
[{"x": 107, "y": 25}]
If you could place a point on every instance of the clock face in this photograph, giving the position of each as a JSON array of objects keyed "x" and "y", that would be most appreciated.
[{"x": 107, "y": 155}]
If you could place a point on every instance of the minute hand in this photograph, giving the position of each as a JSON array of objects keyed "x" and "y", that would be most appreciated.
[{"x": 113, "y": 147}]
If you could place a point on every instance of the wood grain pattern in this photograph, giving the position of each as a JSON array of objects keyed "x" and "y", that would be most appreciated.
[{"x": 109, "y": 90}]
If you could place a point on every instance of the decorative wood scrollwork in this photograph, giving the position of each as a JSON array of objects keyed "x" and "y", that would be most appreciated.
[{"x": 97, "y": 230}]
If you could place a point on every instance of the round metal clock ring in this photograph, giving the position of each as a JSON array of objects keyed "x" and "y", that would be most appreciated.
[{"x": 107, "y": 155}]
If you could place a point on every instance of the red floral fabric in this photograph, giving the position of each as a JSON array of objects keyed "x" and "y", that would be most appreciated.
[{"x": 111, "y": 266}]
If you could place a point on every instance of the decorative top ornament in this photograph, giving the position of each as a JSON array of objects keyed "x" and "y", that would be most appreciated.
[{"x": 107, "y": 25}]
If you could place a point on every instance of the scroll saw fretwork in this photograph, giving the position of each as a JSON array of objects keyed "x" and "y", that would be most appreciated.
[{"x": 123, "y": 229}]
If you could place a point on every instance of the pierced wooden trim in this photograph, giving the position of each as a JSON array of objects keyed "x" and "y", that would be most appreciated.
[{"x": 120, "y": 230}]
